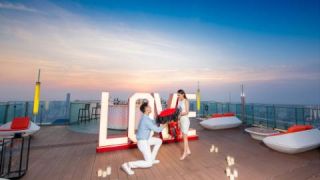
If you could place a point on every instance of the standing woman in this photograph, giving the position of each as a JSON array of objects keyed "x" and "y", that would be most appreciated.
[{"x": 183, "y": 105}]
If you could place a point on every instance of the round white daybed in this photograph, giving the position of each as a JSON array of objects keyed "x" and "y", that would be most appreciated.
[
  {"x": 221, "y": 123},
  {"x": 259, "y": 134},
  {"x": 295, "y": 142}
]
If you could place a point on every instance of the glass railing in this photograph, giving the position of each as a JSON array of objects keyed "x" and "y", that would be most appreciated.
[
  {"x": 268, "y": 115},
  {"x": 50, "y": 112},
  {"x": 82, "y": 110}
]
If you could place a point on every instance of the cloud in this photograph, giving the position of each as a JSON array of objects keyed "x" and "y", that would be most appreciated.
[
  {"x": 18, "y": 7},
  {"x": 73, "y": 40},
  {"x": 76, "y": 52}
]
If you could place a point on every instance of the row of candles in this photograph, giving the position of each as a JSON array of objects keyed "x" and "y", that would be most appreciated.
[
  {"x": 104, "y": 173},
  {"x": 230, "y": 161},
  {"x": 214, "y": 149}
]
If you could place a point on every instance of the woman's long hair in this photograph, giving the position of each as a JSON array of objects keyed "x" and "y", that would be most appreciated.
[{"x": 180, "y": 91}]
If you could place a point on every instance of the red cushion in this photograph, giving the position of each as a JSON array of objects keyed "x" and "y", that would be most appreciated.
[
  {"x": 216, "y": 115},
  {"x": 229, "y": 114},
  {"x": 167, "y": 112},
  {"x": 297, "y": 128},
  {"x": 20, "y": 123},
  {"x": 223, "y": 115}
]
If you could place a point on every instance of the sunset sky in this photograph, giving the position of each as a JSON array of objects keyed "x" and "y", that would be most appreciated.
[{"x": 85, "y": 47}]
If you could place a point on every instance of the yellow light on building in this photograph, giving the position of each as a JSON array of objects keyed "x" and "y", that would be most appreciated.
[
  {"x": 198, "y": 98},
  {"x": 36, "y": 100}
]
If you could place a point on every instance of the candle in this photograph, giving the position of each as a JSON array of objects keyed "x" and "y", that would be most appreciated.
[
  {"x": 228, "y": 171},
  {"x": 108, "y": 170},
  {"x": 231, "y": 177},
  {"x": 235, "y": 173},
  {"x": 104, "y": 174},
  {"x": 99, "y": 173},
  {"x": 216, "y": 150}
]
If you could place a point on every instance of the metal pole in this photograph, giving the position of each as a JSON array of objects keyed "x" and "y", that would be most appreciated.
[{"x": 39, "y": 75}]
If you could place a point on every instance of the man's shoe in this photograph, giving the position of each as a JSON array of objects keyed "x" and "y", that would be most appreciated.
[
  {"x": 156, "y": 161},
  {"x": 125, "y": 167}
]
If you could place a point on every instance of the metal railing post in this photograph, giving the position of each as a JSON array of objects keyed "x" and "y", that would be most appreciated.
[
  {"x": 274, "y": 117},
  {"x": 296, "y": 115},
  {"x": 253, "y": 114},
  {"x": 40, "y": 114},
  {"x": 26, "y": 109},
  {"x": 267, "y": 116},
  {"x": 6, "y": 113},
  {"x": 303, "y": 116},
  {"x": 14, "y": 110}
]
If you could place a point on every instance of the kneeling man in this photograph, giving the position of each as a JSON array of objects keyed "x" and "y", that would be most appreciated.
[{"x": 145, "y": 141}]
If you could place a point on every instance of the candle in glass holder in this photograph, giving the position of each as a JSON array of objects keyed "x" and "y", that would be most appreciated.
[
  {"x": 108, "y": 170},
  {"x": 216, "y": 150},
  {"x": 232, "y": 161},
  {"x": 99, "y": 173},
  {"x": 104, "y": 174},
  {"x": 231, "y": 177},
  {"x": 235, "y": 173},
  {"x": 228, "y": 171},
  {"x": 229, "y": 161}
]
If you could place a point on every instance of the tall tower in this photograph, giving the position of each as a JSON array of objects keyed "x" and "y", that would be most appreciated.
[
  {"x": 36, "y": 100},
  {"x": 243, "y": 104},
  {"x": 198, "y": 99}
]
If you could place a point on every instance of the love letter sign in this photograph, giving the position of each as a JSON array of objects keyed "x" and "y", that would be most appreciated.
[{"x": 117, "y": 143}]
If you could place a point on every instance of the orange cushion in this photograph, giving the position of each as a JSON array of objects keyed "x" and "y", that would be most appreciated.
[
  {"x": 20, "y": 123},
  {"x": 297, "y": 128}
]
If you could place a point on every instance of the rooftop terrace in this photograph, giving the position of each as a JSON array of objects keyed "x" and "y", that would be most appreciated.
[{"x": 58, "y": 153}]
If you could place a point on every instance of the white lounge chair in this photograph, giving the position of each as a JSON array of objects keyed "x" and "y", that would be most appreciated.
[
  {"x": 19, "y": 125},
  {"x": 221, "y": 122},
  {"x": 259, "y": 133},
  {"x": 294, "y": 142}
]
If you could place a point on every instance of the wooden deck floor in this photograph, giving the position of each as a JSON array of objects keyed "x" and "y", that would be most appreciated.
[{"x": 58, "y": 153}]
